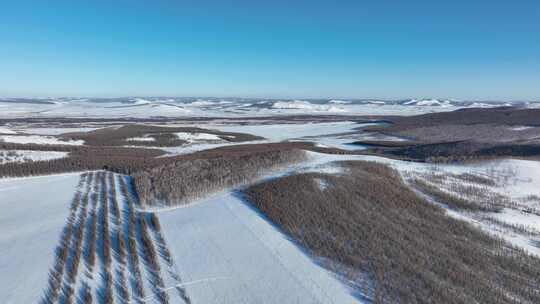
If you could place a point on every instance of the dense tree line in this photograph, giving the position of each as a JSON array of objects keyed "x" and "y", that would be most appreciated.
[
  {"x": 181, "y": 181},
  {"x": 369, "y": 221},
  {"x": 462, "y": 135},
  {"x": 130, "y": 236},
  {"x": 92, "y": 122},
  {"x": 471, "y": 116},
  {"x": 151, "y": 258},
  {"x": 132, "y": 160},
  {"x": 122, "y": 160},
  {"x": 458, "y": 151},
  {"x": 107, "y": 295},
  {"x": 90, "y": 254}
]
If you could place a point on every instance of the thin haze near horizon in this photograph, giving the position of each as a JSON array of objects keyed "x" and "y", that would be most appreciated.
[{"x": 386, "y": 49}]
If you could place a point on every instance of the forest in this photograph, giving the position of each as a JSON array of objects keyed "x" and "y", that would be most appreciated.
[{"x": 368, "y": 225}]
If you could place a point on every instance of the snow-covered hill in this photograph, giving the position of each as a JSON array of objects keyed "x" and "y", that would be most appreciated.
[{"x": 221, "y": 107}]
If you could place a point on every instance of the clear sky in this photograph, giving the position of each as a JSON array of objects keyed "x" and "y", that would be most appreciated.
[{"x": 475, "y": 49}]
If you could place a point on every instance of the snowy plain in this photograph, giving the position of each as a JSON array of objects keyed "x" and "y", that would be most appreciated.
[
  {"x": 53, "y": 131},
  {"x": 34, "y": 211}
]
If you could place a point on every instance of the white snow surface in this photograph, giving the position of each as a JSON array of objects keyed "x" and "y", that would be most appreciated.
[
  {"x": 516, "y": 217},
  {"x": 520, "y": 128},
  {"x": 17, "y": 156},
  {"x": 280, "y": 132},
  {"x": 429, "y": 102},
  {"x": 233, "y": 255},
  {"x": 337, "y": 101},
  {"x": 54, "y": 131},
  {"x": 181, "y": 107},
  {"x": 306, "y": 105},
  {"x": 193, "y": 137},
  {"x": 5, "y": 130},
  {"x": 34, "y": 211},
  {"x": 39, "y": 139},
  {"x": 141, "y": 139}
]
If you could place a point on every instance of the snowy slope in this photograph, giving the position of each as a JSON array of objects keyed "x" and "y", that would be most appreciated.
[{"x": 228, "y": 253}]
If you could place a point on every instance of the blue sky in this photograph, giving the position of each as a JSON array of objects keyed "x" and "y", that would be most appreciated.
[{"x": 389, "y": 49}]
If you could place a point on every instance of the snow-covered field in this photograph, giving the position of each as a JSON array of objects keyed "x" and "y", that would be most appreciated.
[
  {"x": 141, "y": 139},
  {"x": 53, "y": 131},
  {"x": 38, "y": 139},
  {"x": 21, "y": 156},
  {"x": 34, "y": 211},
  {"x": 197, "y": 137},
  {"x": 5, "y": 130},
  {"x": 281, "y": 132}
]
